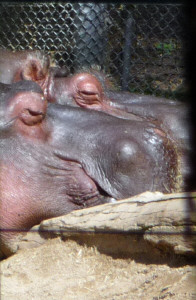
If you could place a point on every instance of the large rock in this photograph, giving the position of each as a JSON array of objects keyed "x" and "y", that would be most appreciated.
[{"x": 151, "y": 224}]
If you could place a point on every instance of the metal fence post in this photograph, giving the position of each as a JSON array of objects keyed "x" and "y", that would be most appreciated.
[{"x": 126, "y": 75}]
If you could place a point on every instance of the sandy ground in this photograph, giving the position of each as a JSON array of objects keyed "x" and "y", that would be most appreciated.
[{"x": 67, "y": 270}]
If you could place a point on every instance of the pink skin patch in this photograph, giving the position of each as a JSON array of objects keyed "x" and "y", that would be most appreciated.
[
  {"x": 160, "y": 132},
  {"x": 15, "y": 200},
  {"x": 29, "y": 110},
  {"x": 88, "y": 91}
]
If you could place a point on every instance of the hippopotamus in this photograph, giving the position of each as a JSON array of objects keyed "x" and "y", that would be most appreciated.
[
  {"x": 89, "y": 91},
  {"x": 92, "y": 90},
  {"x": 173, "y": 115},
  {"x": 56, "y": 158},
  {"x": 82, "y": 89}
]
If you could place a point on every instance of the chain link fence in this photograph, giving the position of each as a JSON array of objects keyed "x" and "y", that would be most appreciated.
[{"x": 139, "y": 46}]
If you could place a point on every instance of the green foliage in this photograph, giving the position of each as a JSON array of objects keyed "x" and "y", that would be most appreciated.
[{"x": 165, "y": 48}]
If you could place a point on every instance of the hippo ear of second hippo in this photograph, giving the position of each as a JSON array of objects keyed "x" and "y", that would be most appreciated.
[{"x": 33, "y": 71}]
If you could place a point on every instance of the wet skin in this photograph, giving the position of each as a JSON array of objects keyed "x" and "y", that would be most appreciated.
[
  {"x": 57, "y": 159},
  {"x": 86, "y": 91},
  {"x": 82, "y": 89},
  {"x": 91, "y": 90}
]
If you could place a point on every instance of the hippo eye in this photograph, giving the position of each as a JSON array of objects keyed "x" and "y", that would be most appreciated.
[
  {"x": 30, "y": 117},
  {"x": 88, "y": 93},
  {"x": 88, "y": 97}
]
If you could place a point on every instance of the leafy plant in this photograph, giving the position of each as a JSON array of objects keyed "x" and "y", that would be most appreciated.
[{"x": 165, "y": 48}]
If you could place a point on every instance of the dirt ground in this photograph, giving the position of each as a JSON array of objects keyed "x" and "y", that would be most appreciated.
[{"x": 67, "y": 270}]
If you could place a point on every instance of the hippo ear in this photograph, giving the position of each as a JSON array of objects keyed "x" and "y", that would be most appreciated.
[{"x": 33, "y": 70}]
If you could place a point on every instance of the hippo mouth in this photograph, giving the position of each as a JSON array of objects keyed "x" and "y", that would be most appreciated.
[{"x": 92, "y": 193}]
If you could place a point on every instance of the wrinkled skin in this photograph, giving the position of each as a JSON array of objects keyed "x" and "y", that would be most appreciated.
[
  {"x": 94, "y": 91},
  {"x": 91, "y": 91},
  {"x": 57, "y": 159},
  {"x": 172, "y": 115},
  {"x": 83, "y": 90}
]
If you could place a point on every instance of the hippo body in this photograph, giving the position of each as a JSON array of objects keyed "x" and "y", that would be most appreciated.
[
  {"x": 57, "y": 159},
  {"x": 172, "y": 115},
  {"x": 84, "y": 90}
]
